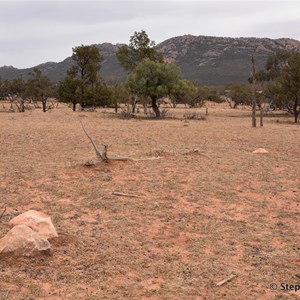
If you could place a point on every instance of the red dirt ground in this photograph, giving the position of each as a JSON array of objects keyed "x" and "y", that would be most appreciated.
[{"x": 208, "y": 208}]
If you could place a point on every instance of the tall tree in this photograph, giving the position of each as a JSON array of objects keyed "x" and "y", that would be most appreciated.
[
  {"x": 283, "y": 74},
  {"x": 69, "y": 89},
  {"x": 119, "y": 93},
  {"x": 87, "y": 63},
  {"x": 154, "y": 80},
  {"x": 189, "y": 93},
  {"x": 139, "y": 48},
  {"x": 2, "y": 89},
  {"x": 82, "y": 83},
  {"x": 254, "y": 104},
  {"x": 239, "y": 94},
  {"x": 14, "y": 91},
  {"x": 39, "y": 88}
]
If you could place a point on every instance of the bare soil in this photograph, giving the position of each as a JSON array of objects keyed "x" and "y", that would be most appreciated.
[{"x": 209, "y": 208}]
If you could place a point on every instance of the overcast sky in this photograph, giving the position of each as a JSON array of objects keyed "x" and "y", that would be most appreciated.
[{"x": 34, "y": 32}]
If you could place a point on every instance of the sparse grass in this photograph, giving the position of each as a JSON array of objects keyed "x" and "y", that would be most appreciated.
[{"x": 198, "y": 216}]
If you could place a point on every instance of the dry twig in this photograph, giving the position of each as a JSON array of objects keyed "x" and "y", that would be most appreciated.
[
  {"x": 229, "y": 278},
  {"x": 102, "y": 157},
  {"x": 3, "y": 212},
  {"x": 124, "y": 194}
]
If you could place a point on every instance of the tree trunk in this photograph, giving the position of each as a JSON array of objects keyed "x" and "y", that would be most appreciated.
[
  {"x": 253, "y": 92},
  {"x": 22, "y": 106},
  {"x": 296, "y": 115},
  {"x": 174, "y": 103},
  {"x": 74, "y": 106},
  {"x": 134, "y": 102},
  {"x": 261, "y": 117},
  {"x": 145, "y": 103},
  {"x": 44, "y": 105},
  {"x": 155, "y": 107},
  {"x": 296, "y": 112}
]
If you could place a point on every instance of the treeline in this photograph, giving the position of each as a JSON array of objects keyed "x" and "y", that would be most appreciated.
[
  {"x": 150, "y": 78},
  {"x": 21, "y": 93},
  {"x": 278, "y": 85}
]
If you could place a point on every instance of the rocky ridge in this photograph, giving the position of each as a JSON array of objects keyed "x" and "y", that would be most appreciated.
[{"x": 207, "y": 60}]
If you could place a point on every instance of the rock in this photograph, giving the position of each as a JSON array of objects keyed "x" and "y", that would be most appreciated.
[
  {"x": 23, "y": 241},
  {"x": 260, "y": 151},
  {"x": 38, "y": 222}
]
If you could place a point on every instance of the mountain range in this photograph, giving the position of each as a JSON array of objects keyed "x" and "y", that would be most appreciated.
[{"x": 205, "y": 59}]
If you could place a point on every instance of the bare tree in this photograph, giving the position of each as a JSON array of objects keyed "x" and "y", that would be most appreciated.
[{"x": 253, "y": 91}]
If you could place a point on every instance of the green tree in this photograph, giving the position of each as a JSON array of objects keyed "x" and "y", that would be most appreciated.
[
  {"x": 101, "y": 94},
  {"x": 82, "y": 83},
  {"x": 39, "y": 88},
  {"x": 87, "y": 61},
  {"x": 69, "y": 89},
  {"x": 283, "y": 74},
  {"x": 238, "y": 94},
  {"x": 14, "y": 91},
  {"x": 189, "y": 93},
  {"x": 184, "y": 91},
  {"x": 139, "y": 48},
  {"x": 154, "y": 80},
  {"x": 2, "y": 89},
  {"x": 119, "y": 94}
]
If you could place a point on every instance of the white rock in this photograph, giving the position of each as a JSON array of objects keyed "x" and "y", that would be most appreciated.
[
  {"x": 23, "y": 241},
  {"x": 37, "y": 221},
  {"x": 260, "y": 151}
]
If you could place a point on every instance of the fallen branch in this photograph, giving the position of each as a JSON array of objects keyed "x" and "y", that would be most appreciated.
[
  {"x": 3, "y": 212},
  {"x": 134, "y": 159},
  {"x": 124, "y": 194},
  {"x": 102, "y": 157},
  {"x": 229, "y": 278},
  {"x": 99, "y": 155},
  {"x": 194, "y": 151}
]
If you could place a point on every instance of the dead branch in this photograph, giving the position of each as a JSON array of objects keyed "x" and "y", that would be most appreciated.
[
  {"x": 124, "y": 194},
  {"x": 134, "y": 159},
  {"x": 94, "y": 145},
  {"x": 229, "y": 278},
  {"x": 102, "y": 157},
  {"x": 3, "y": 212}
]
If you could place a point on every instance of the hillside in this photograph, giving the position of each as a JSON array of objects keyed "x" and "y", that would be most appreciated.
[
  {"x": 220, "y": 60},
  {"x": 209, "y": 60},
  {"x": 56, "y": 71}
]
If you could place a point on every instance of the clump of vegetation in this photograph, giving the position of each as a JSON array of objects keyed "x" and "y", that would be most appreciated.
[
  {"x": 238, "y": 94},
  {"x": 282, "y": 73},
  {"x": 192, "y": 115},
  {"x": 26, "y": 94},
  {"x": 82, "y": 84}
]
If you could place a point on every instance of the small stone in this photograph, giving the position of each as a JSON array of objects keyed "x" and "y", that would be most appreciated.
[
  {"x": 38, "y": 222},
  {"x": 260, "y": 151},
  {"x": 23, "y": 241}
]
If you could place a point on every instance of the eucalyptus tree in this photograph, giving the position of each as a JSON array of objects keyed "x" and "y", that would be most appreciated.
[
  {"x": 154, "y": 80},
  {"x": 282, "y": 71},
  {"x": 39, "y": 88},
  {"x": 82, "y": 83},
  {"x": 139, "y": 48}
]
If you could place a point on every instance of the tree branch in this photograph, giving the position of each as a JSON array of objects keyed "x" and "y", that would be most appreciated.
[
  {"x": 94, "y": 145},
  {"x": 3, "y": 212},
  {"x": 229, "y": 278},
  {"x": 102, "y": 157}
]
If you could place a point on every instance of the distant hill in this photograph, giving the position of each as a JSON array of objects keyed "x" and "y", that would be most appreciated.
[
  {"x": 208, "y": 60},
  {"x": 57, "y": 71}
]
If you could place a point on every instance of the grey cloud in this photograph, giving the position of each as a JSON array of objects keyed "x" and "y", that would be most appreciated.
[{"x": 39, "y": 31}]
